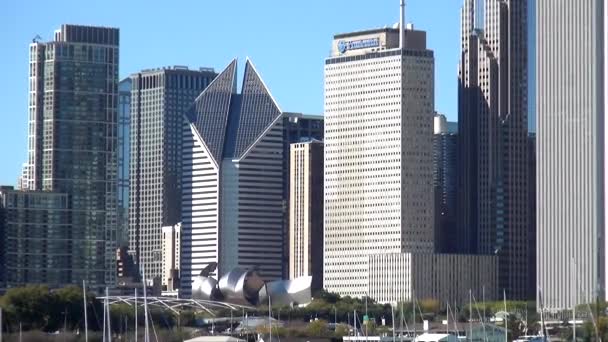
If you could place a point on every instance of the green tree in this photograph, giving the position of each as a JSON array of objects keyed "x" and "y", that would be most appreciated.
[
  {"x": 317, "y": 328},
  {"x": 341, "y": 330},
  {"x": 29, "y": 305}
]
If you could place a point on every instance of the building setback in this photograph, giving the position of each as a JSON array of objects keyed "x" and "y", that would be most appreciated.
[
  {"x": 73, "y": 141},
  {"x": 36, "y": 238},
  {"x": 159, "y": 99},
  {"x": 571, "y": 107},
  {"x": 379, "y": 108},
  {"x": 448, "y": 278},
  {"x": 492, "y": 131},
  {"x": 233, "y": 179},
  {"x": 306, "y": 212}
]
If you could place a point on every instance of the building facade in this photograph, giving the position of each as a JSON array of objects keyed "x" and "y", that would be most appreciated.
[
  {"x": 73, "y": 141},
  {"x": 159, "y": 99},
  {"x": 233, "y": 205},
  {"x": 36, "y": 238},
  {"x": 571, "y": 105},
  {"x": 297, "y": 127},
  {"x": 124, "y": 157},
  {"x": 493, "y": 128},
  {"x": 448, "y": 278},
  {"x": 445, "y": 179},
  {"x": 379, "y": 108},
  {"x": 171, "y": 257},
  {"x": 306, "y": 212}
]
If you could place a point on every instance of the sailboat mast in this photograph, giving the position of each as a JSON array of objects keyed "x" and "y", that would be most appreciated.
[
  {"x": 269, "y": 317},
  {"x": 504, "y": 296},
  {"x": 135, "y": 314},
  {"x": 108, "y": 313},
  {"x": 414, "y": 312},
  {"x": 573, "y": 301},
  {"x": 392, "y": 320},
  {"x": 470, "y": 316},
  {"x": 86, "y": 322}
]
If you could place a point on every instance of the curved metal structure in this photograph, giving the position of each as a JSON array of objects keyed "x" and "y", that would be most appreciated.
[
  {"x": 241, "y": 287},
  {"x": 176, "y": 304},
  {"x": 246, "y": 288},
  {"x": 205, "y": 288},
  {"x": 287, "y": 292}
]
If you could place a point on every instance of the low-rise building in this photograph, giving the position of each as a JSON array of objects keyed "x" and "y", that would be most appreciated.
[
  {"x": 35, "y": 238},
  {"x": 448, "y": 278}
]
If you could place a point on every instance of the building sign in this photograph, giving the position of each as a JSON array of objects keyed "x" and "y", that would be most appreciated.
[{"x": 344, "y": 46}]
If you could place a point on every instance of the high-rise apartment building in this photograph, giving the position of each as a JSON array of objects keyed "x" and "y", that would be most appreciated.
[
  {"x": 159, "y": 99},
  {"x": 492, "y": 131},
  {"x": 306, "y": 212},
  {"x": 571, "y": 107},
  {"x": 73, "y": 141},
  {"x": 124, "y": 156},
  {"x": 379, "y": 108},
  {"x": 36, "y": 238},
  {"x": 233, "y": 204},
  {"x": 445, "y": 145}
]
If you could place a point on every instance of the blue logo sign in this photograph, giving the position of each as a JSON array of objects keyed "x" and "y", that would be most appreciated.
[{"x": 344, "y": 46}]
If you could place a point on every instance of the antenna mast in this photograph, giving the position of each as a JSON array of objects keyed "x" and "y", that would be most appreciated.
[{"x": 402, "y": 25}]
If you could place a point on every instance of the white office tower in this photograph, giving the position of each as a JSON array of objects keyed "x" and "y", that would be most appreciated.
[
  {"x": 232, "y": 179},
  {"x": 379, "y": 109},
  {"x": 571, "y": 151}
]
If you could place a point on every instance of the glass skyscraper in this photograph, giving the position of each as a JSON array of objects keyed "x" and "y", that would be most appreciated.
[
  {"x": 159, "y": 99},
  {"x": 124, "y": 155},
  {"x": 73, "y": 141}
]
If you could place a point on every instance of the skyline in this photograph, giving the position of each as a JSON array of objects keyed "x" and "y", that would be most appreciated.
[{"x": 293, "y": 71}]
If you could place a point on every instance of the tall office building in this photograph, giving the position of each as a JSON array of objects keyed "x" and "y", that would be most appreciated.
[
  {"x": 159, "y": 99},
  {"x": 492, "y": 130},
  {"x": 233, "y": 179},
  {"x": 36, "y": 238},
  {"x": 306, "y": 212},
  {"x": 297, "y": 127},
  {"x": 571, "y": 107},
  {"x": 445, "y": 144},
  {"x": 73, "y": 141},
  {"x": 379, "y": 108},
  {"x": 124, "y": 156}
]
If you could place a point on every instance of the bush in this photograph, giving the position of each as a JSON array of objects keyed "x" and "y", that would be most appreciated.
[{"x": 317, "y": 328}]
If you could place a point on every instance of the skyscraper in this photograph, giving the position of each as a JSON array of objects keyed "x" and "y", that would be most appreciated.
[
  {"x": 492, "y": 130},
  {"x": 306, "y": 212},
  {"x": 159, "y": 99},
  {"x": 73, "y": 138},
  {"x": 379, "y": 108},
  {"x": 297, "y": 127},
  {"x": 124, "y": 157},
  {"x": 445, "y": 143},
  {"x": 571, "y": 106},
  {"x": 233, "y": 179}
]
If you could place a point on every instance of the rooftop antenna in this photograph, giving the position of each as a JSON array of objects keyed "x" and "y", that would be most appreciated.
[
  {"x": 402, "y": 25},
  {"x": 36, "y": 39}
]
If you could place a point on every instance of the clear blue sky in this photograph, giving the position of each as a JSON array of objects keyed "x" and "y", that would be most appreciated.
[{"x": 287, "y": 41}]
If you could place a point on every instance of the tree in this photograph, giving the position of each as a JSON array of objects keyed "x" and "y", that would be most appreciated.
[
  {"x": 317, "y": 328},
  {"x": 341, "y": 330},
  {"x": 29, "y": 305}
]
